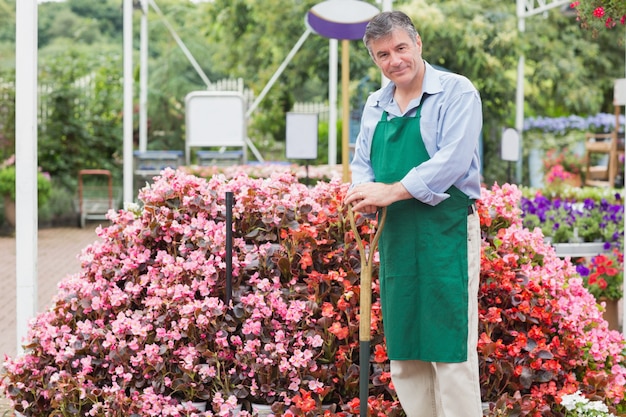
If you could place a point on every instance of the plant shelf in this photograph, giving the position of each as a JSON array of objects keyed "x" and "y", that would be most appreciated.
[{"x": 579, "y": 250}]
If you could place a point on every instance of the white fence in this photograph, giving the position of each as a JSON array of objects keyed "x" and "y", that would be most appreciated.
[
  {"x": 86, "y": 85},
  {"x": 321, "y": 109}
]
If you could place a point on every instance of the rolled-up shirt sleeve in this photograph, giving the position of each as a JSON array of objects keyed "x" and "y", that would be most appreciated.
[{"x": 452, "y": 143}]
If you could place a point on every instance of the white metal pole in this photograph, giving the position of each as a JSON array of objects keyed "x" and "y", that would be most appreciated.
[
  {"x": 128, "y": 101},
  {"x": 26, "y": 165},
  {"x": 333, "y": 62},
  {"x": 519, "y": 94},
  {"x": 387, "y": 6},
  {"x": 345, "y": 108},
  {"x": 143, "y": 79},
  {"x": 519, "y": 114}
]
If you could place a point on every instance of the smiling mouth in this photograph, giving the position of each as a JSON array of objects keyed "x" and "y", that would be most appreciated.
[{"x": 399, "y": 70}]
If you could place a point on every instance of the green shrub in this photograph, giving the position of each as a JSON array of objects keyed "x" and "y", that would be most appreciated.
[{"x": 7, "y": 185}]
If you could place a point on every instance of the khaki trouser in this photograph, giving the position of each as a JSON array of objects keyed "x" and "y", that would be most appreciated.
[{"x": 436, "y": 389}]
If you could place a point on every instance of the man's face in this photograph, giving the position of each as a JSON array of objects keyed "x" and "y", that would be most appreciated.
[{"x": 398, "y": 56}]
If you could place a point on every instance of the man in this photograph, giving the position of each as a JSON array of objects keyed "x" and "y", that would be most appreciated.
[{"x": 417, "y": 154}]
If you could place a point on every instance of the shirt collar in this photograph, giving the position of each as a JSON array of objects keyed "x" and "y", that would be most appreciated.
[
  {"x": 432, "y": 80},
  {"x": 431, "y": 85}
]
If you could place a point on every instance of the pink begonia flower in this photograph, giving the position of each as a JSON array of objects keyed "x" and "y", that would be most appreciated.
[
  {"x": 300, "y": 359},
  {"x": 295, "y": 311},
  {"x": 252, "y": 345},
  {"x": 221, "y": 339},
  {"x": 251, "y": 327},
  {"x": 315, "y": 341},
  {"x": 278, "y": 348}
]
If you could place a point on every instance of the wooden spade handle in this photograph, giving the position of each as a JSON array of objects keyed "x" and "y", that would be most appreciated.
[{"x": 367, "y": 261}]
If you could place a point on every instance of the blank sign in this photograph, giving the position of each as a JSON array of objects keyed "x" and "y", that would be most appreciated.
[
  {"x": 215, "y": 118},
  {"x": 620, "y": 92},
  {"x": 510, "y": 145},
  {"x": 301, "y": 136}
]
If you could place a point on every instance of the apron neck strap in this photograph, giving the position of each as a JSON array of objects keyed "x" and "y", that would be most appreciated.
[{"x": 385, "y": 115}]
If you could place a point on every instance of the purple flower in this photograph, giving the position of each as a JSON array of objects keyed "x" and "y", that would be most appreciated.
[
  {"x": 582, "y": 270},
  {"x": 601, "y": 122}
]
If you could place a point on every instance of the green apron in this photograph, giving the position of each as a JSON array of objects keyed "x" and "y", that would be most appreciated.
[{"x": 423, "y": 255}]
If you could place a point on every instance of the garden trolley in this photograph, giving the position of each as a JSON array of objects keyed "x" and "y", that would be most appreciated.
[{"x": 94, "y": 198}]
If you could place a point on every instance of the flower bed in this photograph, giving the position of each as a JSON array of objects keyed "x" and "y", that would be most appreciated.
[
  {"x": 143, "y": 330},
  {"x": 575, "y": 218},
  {"x": 265, "y": 170},
  {"x": 542, "y": 333}
]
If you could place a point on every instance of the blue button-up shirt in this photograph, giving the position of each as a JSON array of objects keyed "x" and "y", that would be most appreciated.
[{"x": 451, "y": 121}]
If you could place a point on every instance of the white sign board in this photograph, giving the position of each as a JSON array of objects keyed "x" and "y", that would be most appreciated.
[
  {"x": 214, "y": 118},
  {"x": 510, "y": 145},
  {"x": 619, "y": 92},
  {"x": 301, "y": 136}
]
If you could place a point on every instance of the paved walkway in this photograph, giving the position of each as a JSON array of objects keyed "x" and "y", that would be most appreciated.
[{"x": 57, "y": 256}]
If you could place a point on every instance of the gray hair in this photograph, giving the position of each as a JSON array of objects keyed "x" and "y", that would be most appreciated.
[{"x": 384, "y": 23}]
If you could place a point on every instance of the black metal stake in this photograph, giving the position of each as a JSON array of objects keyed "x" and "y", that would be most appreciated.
[
  {"x": 307, "y": 173},
  {"x": 509, "y": 173},
  {"x": 364, "y": 376},
  {"x": 229, "y": 247}
]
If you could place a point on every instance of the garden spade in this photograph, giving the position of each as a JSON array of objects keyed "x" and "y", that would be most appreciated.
[{"x": 365, "y": 305}]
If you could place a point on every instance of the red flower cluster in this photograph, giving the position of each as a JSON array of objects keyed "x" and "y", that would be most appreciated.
[
  {"x": 519, "y": 345},
  {"x": 603, "y": 276},
  {"x": 603, "y": 266},
  {"x": 596, "y": 14}
]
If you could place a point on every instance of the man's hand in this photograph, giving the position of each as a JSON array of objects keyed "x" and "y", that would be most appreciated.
[{"x": 366, "y": 198}]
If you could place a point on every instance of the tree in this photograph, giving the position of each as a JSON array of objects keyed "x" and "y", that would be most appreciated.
[
  {"x": 81, "y": 128},
  {"x": 106, "y": 13},
  {"x": 567, "y": 71}
]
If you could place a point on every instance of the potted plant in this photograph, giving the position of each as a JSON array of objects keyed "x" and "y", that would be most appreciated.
[
  {"x": 576, "y": 217},
  {"x": 562, "y": 168},
  {"x": 603, "y": 277},
  {"x": 8, "y": 184}
]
